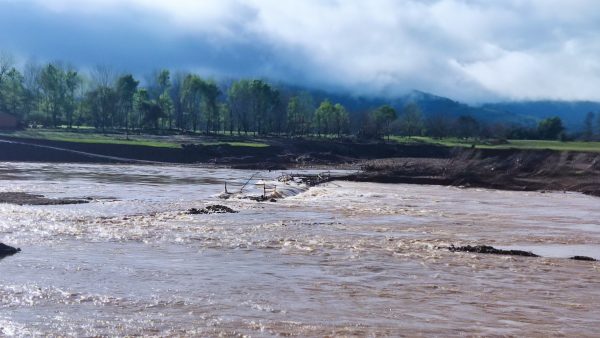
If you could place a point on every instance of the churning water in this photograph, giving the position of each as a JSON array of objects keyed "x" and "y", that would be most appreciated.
[{"x": 339, "y": 259}]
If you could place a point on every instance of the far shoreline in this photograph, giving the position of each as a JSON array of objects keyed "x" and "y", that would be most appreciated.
[{"x": 503, "y": 169}]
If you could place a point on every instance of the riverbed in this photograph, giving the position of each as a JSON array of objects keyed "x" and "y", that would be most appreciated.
[{"x": 342, "y": 258}]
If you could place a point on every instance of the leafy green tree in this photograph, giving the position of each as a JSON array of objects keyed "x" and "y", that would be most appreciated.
[
  {"x": 72, "y": 81},
  {"x": 438, "y": 125},
  {"x": 176, "y": 94},
  {"x": 467, "y": 127},
  {"x": 152, "y": 113},
  {"x": 383, "y": 118},
  {"x": 166, "y": 106},
  {"x": 551, "y": 128},
  {"x": 411, "y": 120},
  {"x": 263, "y": 101},
  {"x": 101, "y": 103},
  {"x": 126, "y": 88},
  {"x": 339, "y": 120},
  {"x": 240, "y": 101},
  {"x": 322, "y": 117},
  {"x": 293, "y": 115},
  {"x": 276, "y": 112},
  {"x": 164, "y": 99},
  {"x": 299, "y": 114},
  {"x": 193, "y": 87},
  {"x": 13, "y": 94},
  {"x": 32, "y": 94},
  {"x": 6, "y": 64},
  {"x": 210, "y": 93},
  {"x": 140, "y": 98},
  {"x": 588, "y": 126},
  {"x": 598, "y": 124},
  {"x": 51, "y": 80}
]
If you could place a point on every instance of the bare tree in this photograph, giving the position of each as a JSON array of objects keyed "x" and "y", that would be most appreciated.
[
  {"x": 103, "y": 76},
  {"x": 7, "y": 62}
]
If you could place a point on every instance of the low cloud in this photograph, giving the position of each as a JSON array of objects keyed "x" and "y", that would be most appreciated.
[{"x": 465, "y": 49}]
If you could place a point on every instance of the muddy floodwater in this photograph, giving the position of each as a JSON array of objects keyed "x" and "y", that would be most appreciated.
[{"x": 339, "y": 259}]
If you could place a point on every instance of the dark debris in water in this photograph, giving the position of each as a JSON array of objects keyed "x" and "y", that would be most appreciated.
[
  {"x": 486, "y": 249},
  {"x": 212, "y": 209},
  {"x": 23, "y": 198},
  {"x": 583, "y": 258},
  {"x": 6, "y": 250}
]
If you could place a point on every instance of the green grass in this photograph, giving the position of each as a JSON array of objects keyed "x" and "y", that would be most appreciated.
[
  {"x": 88, "y": 136},
  {"x": 66, "y": 136},
  {"x": 512, "y": 144}
]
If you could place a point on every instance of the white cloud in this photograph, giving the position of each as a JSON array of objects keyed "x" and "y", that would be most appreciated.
[{"x": 467, "y": 49}]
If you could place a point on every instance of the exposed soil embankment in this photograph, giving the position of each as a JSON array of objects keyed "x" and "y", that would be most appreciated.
[
  {"x": 280, "y": 152},
  {"x": 508, "y": 169}
]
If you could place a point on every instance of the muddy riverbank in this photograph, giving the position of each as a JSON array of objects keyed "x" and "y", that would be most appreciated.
[{"x": 520, "y": 170}]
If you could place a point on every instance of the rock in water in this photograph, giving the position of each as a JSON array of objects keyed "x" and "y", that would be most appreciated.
[
  {"x": 6, "y": 250},
  {"x": 486, "y": 249},
  {"x": 212, "y": 209},
  {"x": 583, "y": 258}
]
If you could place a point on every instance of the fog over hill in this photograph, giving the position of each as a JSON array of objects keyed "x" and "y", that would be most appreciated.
[
  {"x": 471, "y": 51},
  {"x": 527, "y": 113}
]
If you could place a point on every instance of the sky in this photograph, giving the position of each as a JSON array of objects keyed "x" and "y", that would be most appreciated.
[{"x": 468, "y": 50}]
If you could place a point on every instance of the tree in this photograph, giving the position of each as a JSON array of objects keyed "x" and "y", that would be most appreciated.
[
  {"x": 383, "y": 118},
  {"x": 239, "y": 95},
  {"x": 210, "y": 93},
  {"x": 293, "y": 115},
  {"x": 51, "y": 81},
  {"x": 164, "y": 98},
  {"x": 438, "y": 125},
  {"x": 126, "y": 89},
  {"x": 101, "y": 103},
  {"x": 193, "y": 87},
  {"x": 263, "y": 100},
  {"x": 467, "y": 127},
  {"x": 6, "y": 64},
  {"x": 588, "y": 126},
  {"x": 72, "y": 81},
  {"x": 550, "y": 128},
  {"x": 411, "y": 120},
  {"x": 299, "y": 114},
  {"x": 322, "y": 117},
  {"x": 32, "y": 92},
  {"x": 166, "y": 106},
  {"x": 104, "y": 96},
  {"x": 152, "y": 113},
  {"x": 598, "y": 124},
  {"x": 12, "y": 94},
  {"x": 340, "y": 119}
]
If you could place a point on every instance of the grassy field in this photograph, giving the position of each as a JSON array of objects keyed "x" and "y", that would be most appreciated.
[
  {"x": 512, "y": 144},
  {"x": 66, "y": 136},
  {"x": 88, "y": 136}
]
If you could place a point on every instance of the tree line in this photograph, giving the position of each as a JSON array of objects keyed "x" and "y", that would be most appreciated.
[{"x": 56, "y": 94}]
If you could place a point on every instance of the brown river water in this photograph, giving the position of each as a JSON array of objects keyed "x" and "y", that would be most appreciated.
[{"x": 335, "y": 260}]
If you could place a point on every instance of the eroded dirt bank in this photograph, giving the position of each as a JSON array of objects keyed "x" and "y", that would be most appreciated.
[
  {"x": 278, "y": 154},
  {"x": 507, "y": 169}
]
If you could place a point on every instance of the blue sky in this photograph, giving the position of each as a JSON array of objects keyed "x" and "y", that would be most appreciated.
[{"x": 465, "y": 49}]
